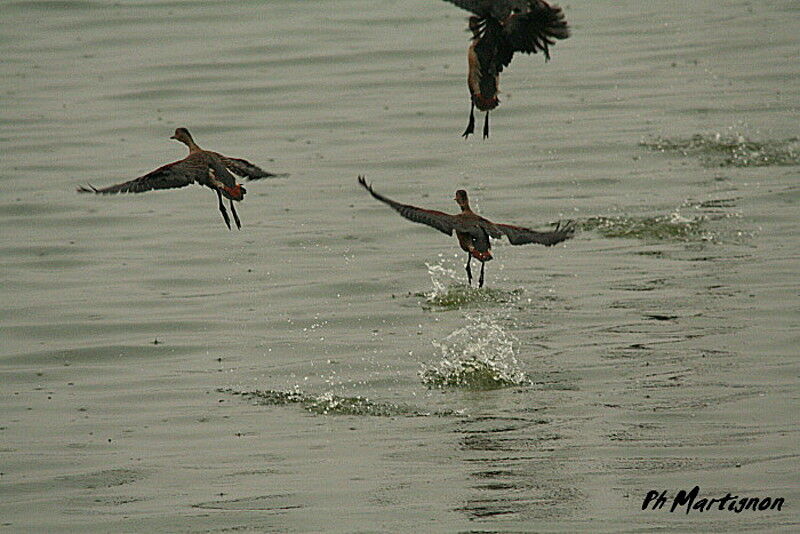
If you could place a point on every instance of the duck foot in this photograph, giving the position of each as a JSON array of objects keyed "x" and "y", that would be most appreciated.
[
  {"x": 471, "y": 125},
  {"x": 235, "y": 216},
  {"x": 223, "y": 211}
]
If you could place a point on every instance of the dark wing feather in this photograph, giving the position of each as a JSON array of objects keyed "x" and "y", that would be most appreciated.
[
  {"x": 217, "y": 173},
  {"x": 497, "y": 9},
  {"x": 443, "y": 222},
  {"x": 518, "y": 235},
  {"x": 481, "y": 8},
  {"x": 245, "y": 169},
  {"x": 178, "y": 174},
  {"x": 480, "y": 238},
  {"x": 489, "y": 228},
  {"x": 486, "y": 49},
  {"x": 532, "y": 32}
]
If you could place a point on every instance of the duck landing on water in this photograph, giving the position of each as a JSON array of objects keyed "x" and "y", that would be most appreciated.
[
  {"x": 203, "y": 167},
  {"x": 499, "y": 29},
  {"x": 472, "y": 230}
]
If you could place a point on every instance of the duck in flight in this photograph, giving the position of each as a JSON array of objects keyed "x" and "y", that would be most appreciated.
[
  {"x": 204, "y": 167},
  {"x": 499, "y": 29},
  {"x": 472, "y": 230}
]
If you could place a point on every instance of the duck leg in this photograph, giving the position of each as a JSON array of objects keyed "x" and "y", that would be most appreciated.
[
  {"x": 483, "y": 263},
  {"x": 486, "y": 126},
  {"x": 471, "y": 126},
  {"x": 222, "y": 210},
  {"x": 469, "y": 268},
  {"x": 235, "y": 216}
]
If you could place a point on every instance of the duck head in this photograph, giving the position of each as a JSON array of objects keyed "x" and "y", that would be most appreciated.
[
  {"x": 183, "y": 135},
  {"x": 462, "y": 199}
]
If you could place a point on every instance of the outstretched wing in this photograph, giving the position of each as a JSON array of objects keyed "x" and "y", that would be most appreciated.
[
  {"x": 178, "y": 174},
  {"x": 498, "y": 9},
  {"x": 531, "y": 32},
  {"x": 518, "y": 235},
  {"x": 245, "y": 169},
  {"x": 443, "y": 222},
  {"x": 482, "y": 8}
]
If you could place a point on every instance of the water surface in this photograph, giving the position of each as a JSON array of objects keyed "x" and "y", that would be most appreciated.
[{"x": 324, "y": 368}]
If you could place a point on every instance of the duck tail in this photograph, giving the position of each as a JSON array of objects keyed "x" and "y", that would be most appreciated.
[
  {"x": 236, "y": 192},
  {"x": 482, "y": 256}
]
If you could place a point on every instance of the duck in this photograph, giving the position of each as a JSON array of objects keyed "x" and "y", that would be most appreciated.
[
  {"x": 204, "y": 167},
  {"x": 473, "y": 231},
  {"x": 499, "y": 29}
]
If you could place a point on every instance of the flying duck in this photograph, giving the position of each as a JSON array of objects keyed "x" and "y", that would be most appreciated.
[
  {"x": 472, "y": 230},
  {"x": 203, "y": 167},
  {"x": 499, "y": 29}
]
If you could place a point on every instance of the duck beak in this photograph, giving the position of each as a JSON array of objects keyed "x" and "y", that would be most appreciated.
[{"x": 172, "y": 137}]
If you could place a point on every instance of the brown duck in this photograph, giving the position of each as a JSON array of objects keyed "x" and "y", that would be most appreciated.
[
  {"x": 472, "y": 230},
  {"x": 204, "y": 167},
  {"x": 499, "y": 29}
]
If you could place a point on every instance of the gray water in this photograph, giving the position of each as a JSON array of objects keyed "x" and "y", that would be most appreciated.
[{"x": 325, "y": 368}]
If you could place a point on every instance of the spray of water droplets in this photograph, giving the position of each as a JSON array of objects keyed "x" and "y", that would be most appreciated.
[
  {"x": 450, "y": 292},
  {"x": 730, "y": 149},
  {"x": 480, "y": 355}
]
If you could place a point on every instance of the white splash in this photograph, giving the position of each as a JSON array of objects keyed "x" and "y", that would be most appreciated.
[
  {"x": 480, "y": 355},
  {"x": 440, "y": 276}
]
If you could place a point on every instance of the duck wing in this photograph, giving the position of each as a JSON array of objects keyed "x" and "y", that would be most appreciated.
[
  {"x": 531, "y": 32},
  {"x": 443, "y": 222},
  {"x": 480, "y": 237},
  {"x": 245, "y": 169},
  {"x": 170, "y": 176},
  {"x": 490, "y": 42},
  {"x": 517, "y": 235},
  {"x": 482, "y": 8},
  {"x": 498, "y": 9}
]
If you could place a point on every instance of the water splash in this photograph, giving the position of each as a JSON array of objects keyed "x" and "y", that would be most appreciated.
[
  {"x": 671, "y": 227},
  {"x": 439, "y": 277},
  {"x": 732, "y": 150},
  {"x": 330, "y": 404},
  {"x": 449, "y": 293},
  {"x": 478, "y": 356}
]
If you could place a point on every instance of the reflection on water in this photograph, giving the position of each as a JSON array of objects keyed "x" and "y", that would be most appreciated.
[{"x": 514, "y": 469}]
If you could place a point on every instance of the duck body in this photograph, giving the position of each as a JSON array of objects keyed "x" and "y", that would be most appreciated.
[
  {"x": 476, "y": 243},
  {"x": 483, "y": 77}
]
